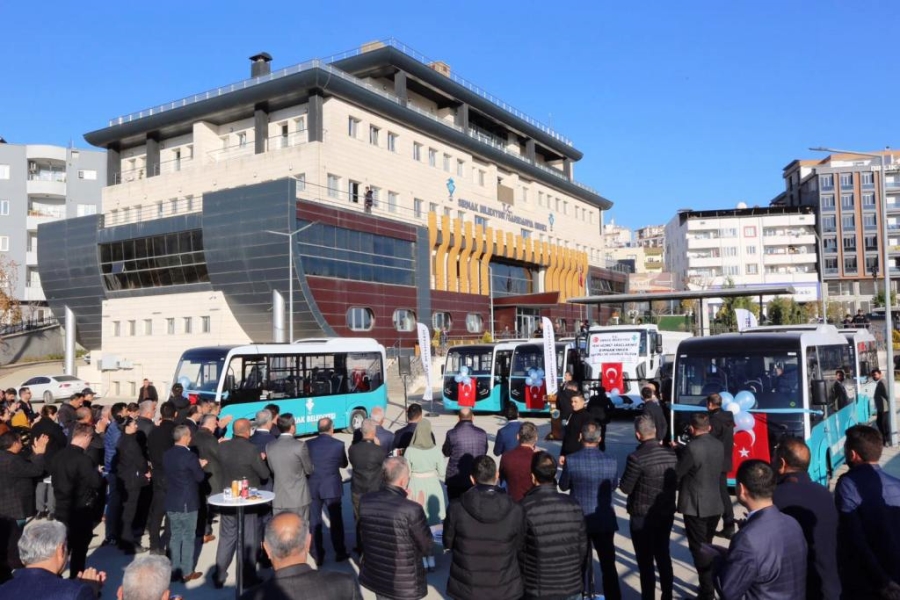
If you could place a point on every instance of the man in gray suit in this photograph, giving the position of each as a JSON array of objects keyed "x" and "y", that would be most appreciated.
[
  {"x": 290, "y": 463},
  {"x": 698, "y": 470}
]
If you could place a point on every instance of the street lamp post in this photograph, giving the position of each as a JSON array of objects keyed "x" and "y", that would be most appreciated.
[
  {"x": 888, "y": 320},
  {"x": 290, "y": 237}
]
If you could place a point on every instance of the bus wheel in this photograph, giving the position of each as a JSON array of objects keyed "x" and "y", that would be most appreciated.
[{"x": 356, "y": 420}]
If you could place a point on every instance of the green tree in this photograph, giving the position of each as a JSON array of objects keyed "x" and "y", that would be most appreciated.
[
  {"x": 725, "y": 317},
  {"x": 785, "y": 311},
  {"x": 878, "y": 299}
]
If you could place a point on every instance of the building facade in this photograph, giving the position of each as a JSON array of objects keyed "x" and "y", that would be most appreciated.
[
  {"x": 426, "y": 199},
  {"x": 41, "y": 184},
  {"x": 845, "y": 191},
  {"x": 745, "y": 246}
]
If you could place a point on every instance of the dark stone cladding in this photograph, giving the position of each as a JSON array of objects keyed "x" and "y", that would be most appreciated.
[{"x": 69, "y": 265}]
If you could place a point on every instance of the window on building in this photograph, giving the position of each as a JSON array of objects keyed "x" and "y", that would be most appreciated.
[
  {"x": 155, "y": 261},
  {"x": 850, "y": 265},
  {"x": 204, "y": 325},
  {"x": 846, "y": 201},
  {"x": 404, "y": 320},
  {"x": 301, "y": 182},
  {"x": 826, "y": 182},
  {"x": 87, "y": 174},
  {"x": 83, "y": 210},
  {"x": 117, "y": 386},
  {"x": 392, "y": 202},
  {"x": 442, "y": 320},
  {"x": 829, "y": 223},
  {"x": 751, "y": 249},
  {"x": 448, "y": 212},
  {"x": 148, "y": 326},
  {"x": 481, "y": 175},
  {"x": 872, "y": 265},
  {"x": 432, "y": 207},
  {"x": 4, "y": 171},
  {"x": 474, "y": 323},
  {"x": 334, "y": 185},
  {"x": 242, "y": 139},
  {"x": 526, "y": 233},
  {"x": 353, "y": 189},
  {"x": 360, "y": 318},
  {"x": 540, "y": 198},
  {"x": 189, "y": 202},
  {"x": 482, "y": 221},
  {"x": 447, "y": 162},
  {"x": 869, "y": 223},
  {"x": 417, "y": 152},
  {"x": 871, "y": 242},
  {"x": 300, "y": 124},
  {"x": 432, "y": 157},
  {"x": 4, "y": 208},
  {"x": 460, "y": 168},
  {"x": 752, "y": 269},
  {"x": 461, "y": 215},
  {"x": 160, "y": 211},
  {"x": 376, "y": 195},
  {"x": 827, "y": 202},
  {"x": 867, "y": 179},
  {"x": 188, "y": 324},
  {"x": 117, "y": 329},
  {"x": 730, "y": 251},
  {"x": 392, "y": 141},
  {"x": 829, "y": 244},
  {"x": 868, "y": 201},
  {"x": 374, "y": 134},
  {"x": 353, "y": 127},
  {"x": 730, "y": 270},
  {"x": 132, "y": 328},
  {"x": 849, "y": 243},
  {"x": 729, "y": 232},
  {"x": 831, "y": 265},
  {"x": 848, "y": 222},
  {"x": 846, "y": 180},
  {"x": 750, "y": 231},
  {"x": 418, "y": 207},
  {"x": 170, "y": 326}
]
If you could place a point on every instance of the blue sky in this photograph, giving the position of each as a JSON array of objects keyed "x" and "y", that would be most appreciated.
[{"x": 693, "y": 104}]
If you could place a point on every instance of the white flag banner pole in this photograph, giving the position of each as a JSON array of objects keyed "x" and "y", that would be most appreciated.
[
  {"x": 549, "y": 357},
  {"x": 425, "y": 355}
]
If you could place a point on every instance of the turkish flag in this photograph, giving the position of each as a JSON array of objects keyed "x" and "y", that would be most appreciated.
[
  {"x": 535, "y": 396},
  {"x": 466, "y": 394},
  {"x": 748, "y": 445},
  {"x": 611, "y": 374}
]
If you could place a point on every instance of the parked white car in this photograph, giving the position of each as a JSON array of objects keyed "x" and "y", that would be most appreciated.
[{"x": 51, "y": 388}]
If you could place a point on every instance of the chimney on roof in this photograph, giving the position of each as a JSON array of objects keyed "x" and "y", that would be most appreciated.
[{"x": 260, "y": 64}]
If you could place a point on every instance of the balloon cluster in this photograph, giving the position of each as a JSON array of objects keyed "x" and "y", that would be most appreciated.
[
  {"x": 185, "y": 382},
  {"x": 535, "y": 378},
  {"x": 739, "y": 406},
  {"x": 463, "y": 376}
]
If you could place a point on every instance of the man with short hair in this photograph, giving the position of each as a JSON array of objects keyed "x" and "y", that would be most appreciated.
[
  {"x": 882, "y": 423},
  {"x": 240, "y": 459},
  {"x": 146, "y": 578},
  {"x": 17, "y": 476},
  {"x": 592, "y": 476},
  {"x": 184, "y": 472},
  {"x": 147, "y": 392},
  {"x": 262, "y": 432},
  {"x": 87, "y": 395},
  {"x": 385, "y": 437},
  {"x": 291, "y": 465},
  {"x": 650, "y": 483},
  {"x": 395, "y": 537},
  {"x": 158, "y": 442},
  {"x": 484, "y": 529},
  {"x": 721, "y": 423},
  {"x": 698, "y": 471},
  {"x": 110, "y": 464},
  {"x": 77, "y": 486},
  {"x": 403, "y": 436},
  {"x": 767, "y": 557},
  {"x": 25, "y": 414},
  {"x": 507, "y": 436},
  {"x": 286, "y": 543},
  {"x": 653, "y": 408},
  {"x": 812, "y": 505},
  {"x": 66, "y": 413},
  {"x": 515, "y": 464},
  {"x": 463, "y": 443},
  {"x": 43, "y": 551},
  {"x": 182, "y": 404},
  {"x": 205, "y": 444},
  {"x": 556, "y": 545},
  {"x": 868, "y": 503},
  {"x": 145, "y": 422},
  {"x": 580, "y": 417},
  {"x": 326, "y": 489},
  {"x": 366, "y": 458}
]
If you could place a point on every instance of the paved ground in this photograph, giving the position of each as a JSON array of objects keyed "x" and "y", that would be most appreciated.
[{"x": 620, "y": 442}]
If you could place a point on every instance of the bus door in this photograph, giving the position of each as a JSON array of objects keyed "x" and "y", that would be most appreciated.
[{"x": 502, "y": 364}]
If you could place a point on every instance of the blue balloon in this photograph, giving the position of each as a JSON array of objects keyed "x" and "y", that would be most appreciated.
[
  {"x": 744, "y": 421},
  {"x": 745, "y": 399},
  {"x": 726, "y": 397},
  {"x": 185, "y": 382}
]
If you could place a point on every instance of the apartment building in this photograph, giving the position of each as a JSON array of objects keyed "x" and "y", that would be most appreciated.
[
  {"x": 426, "y": 199},
  {"x": 41, "y": 184},
  {"x": 845, "y": 191},
  {"x": 766, "y": 246}
]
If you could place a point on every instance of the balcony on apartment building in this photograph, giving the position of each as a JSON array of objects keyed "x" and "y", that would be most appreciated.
[
  {"x": 43, "y": 213},
  {"x": 46, "y": 181},
  {"x": 34, "y": 292}
]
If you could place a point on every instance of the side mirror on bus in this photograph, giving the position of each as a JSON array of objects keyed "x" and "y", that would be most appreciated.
[
  {"x": 442, "y": 370},
  {"x": 819, "y": 392},
  {"x": 657, "y": 345}
]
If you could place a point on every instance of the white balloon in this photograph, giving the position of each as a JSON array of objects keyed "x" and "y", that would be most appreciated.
[
  {"x": 614, "y": 391},
  {"x": 733, "y": 407}
]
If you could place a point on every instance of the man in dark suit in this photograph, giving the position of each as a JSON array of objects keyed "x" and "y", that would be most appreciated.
[
  {"x": 463, "y": 443},
  {"x": 812, "y": 505},
  {"x": 403, "y": 436},
  {"x": 291, "y": 465},
  {"x": 286, "y": 543},
  {"x": 17, "y": 475},
  {"x": 650, "y": 483},
  {"x": 699, "y": 470},
  {"x": 653, "y": 408},
  {"x": 881, "y": 407},
  {"x": 507, "y": 436},
  {"x": 326, "y": 489},
  {"x": 366, "y": 458},
  {"x": 44, "y": 552},
  {"x": 186, "y": 474},
  {"x": 206, "y": 445},
  {"x": 767, "y": 557},
  {"x": 868, "y": 503},
  {"x": 240, "y": 460},
  {"x": 580, "y": 417},
  {"x": 515, "y": 464},
  {"x": 592, "y": 476},
  {"x": 147, "y": 392},
  {"x": 159, "y": 440},
  {"x": 721, "y": 424},
  {"x": 77, "y": 488},
  {"x": 385, "y": 437}
]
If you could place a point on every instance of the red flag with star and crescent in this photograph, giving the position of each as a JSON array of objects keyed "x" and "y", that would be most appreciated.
[
  {"x": 612, "y": 376},
  {"x": 466, "y": 393},
  {"x": 748, "y": 445}
]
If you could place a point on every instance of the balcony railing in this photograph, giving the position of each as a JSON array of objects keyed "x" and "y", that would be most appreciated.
[
  {"x": 48, "y": 175},
  {"x": 149, "y": 212},
  {"x": 45, "y": 212}
]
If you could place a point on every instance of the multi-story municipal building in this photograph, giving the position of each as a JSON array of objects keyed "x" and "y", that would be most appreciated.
[{"x": 423, "y": 198}]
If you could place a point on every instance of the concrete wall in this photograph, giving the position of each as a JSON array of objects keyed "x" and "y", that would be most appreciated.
[{"x": 31, "y": 344}]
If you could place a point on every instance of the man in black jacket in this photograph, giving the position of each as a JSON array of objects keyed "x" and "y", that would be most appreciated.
[
  {"x": 395, "y": 538},
  {"x": 484, "y": 529},
  {"x": 698, "y": 470},
  {"x": 555, "y": 545},
  {"x": 881, "y": 407},
  {"x": 17, "y": 475},
  {"x": 77, "y": 486},
  {"x": 722, "y": 428},
  {"x": 182, "y": 404},
  {"x": 206, "y": 445},
  {"x": 240, "y": 459},
  {"x": 653, "y": 408},
  {"x": 183, "y": 502},
  {"x": 650, "y": 483},
  {"x": 577, "y": 420},
  {"x": 366, "y": 458},
  {"x": 159, "y": 440},
  {"x": 812, "y": 505}
]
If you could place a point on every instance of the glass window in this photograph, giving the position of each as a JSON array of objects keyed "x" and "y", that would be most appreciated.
[
  {"x": 828, "y": 201},
  {"x": 826, "y": 182},
  {"x": 204, "y": 325},
  {"x": 417, "y": 152},
  {"x": 846, "y": 201},
  {"x": 392, "y": 142},
  {"x": 432, "y": 157},
  {"x": 188, "y": 324},
  {"x": 442, "y": 320},
  {"x": 170, "y": 326},
  {"x": 850, "y": 264},
  {"x": 752, "y": 269},
  {"x": 301, "y": 182},
  {"x": 4, "y": 171},
  {"x": 353, "y": 127},
  {"x": 871, "y": 242},
  {"x": 117, "y": 328},
  {"x": 868, "y": 200},
  {"x": 392, "y": 202},
  {"x": 849, "y": 242},
  {"x": 418, "y": 208},
  {"x": 848, "y": 222},
  {"x": 460, "y": 168},
  {"x": 869, "y": 223},
  {"x": 132, "y": 328},
  {"x": 867, "y": 179},
  {"x": 148, "y": 326},
  {"x": 846, "y": 180},
  {"x": 334, "y": 183},
  {"x": 447, "y": 162},
  {"x": 360, "y": 318},
  {"x": 374, "y": 134},
  {"x": 404, "y": 320},
  {"x": 474, "y": 323}
]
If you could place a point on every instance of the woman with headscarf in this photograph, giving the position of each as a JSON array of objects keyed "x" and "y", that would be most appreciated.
[{"x": 426, "y": 471}]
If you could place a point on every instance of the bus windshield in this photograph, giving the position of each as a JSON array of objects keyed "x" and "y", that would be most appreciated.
[
  {"x": 199, "y": 370},
  {"x": 478, "y": 360},
  {"x": 773, "y": 377}
]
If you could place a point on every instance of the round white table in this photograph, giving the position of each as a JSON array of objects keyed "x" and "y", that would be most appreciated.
[{"x": 240, "y": 504}]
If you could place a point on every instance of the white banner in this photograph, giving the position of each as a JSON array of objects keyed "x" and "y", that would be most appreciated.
[
  {"x": 549, "y": 357},
  {"x": 744, "y": 318},
  {"x": 616, "y": 346},
  {"x": 425, "y": 355}
]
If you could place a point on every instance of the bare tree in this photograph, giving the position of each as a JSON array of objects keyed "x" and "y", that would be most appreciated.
[{"x": 10, "y": 308}]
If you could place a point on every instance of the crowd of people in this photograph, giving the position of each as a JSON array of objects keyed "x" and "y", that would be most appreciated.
[{"x": 519, "y": 524}]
